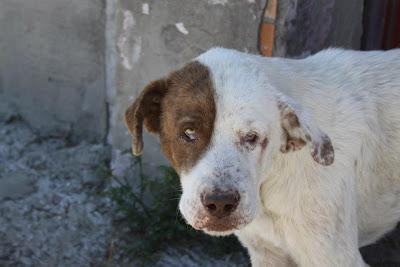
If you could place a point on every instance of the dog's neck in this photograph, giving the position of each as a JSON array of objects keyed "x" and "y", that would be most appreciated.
[{"x": 284, "y": 185}]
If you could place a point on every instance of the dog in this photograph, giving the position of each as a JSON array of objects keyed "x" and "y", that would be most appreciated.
[{"x": 299, "y": 158}]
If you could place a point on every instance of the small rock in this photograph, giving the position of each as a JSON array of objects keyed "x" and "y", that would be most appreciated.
[
  {"x": 89, "y": 177},
  {"x": 56, "y": 199}
]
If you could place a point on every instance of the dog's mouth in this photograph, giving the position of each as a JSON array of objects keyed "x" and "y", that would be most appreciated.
[
  {"x": 219, "y": 226},
  {"x": 219, "y": 213}
]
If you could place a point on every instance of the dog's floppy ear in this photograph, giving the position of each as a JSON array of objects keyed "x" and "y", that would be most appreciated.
[
  {"x": 146, "y": 109},
  {"x": 298, "y": 131}
]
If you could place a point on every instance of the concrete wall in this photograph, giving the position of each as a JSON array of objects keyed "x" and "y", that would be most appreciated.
[
  {"x": 148, "y": 39},
  {"x": 52, "y": 67}
]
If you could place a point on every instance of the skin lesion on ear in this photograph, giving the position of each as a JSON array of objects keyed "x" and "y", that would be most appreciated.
[
  {"x": 323, "y": 152},
  {"x": 292, "y": 134},
  {"x": 145, "y": 110},
  {"x": 291, "y": 144},
  {"x": 295, "y": 136}
]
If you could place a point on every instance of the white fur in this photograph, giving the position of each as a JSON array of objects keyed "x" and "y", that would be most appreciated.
[{"x": 292, "y": 209}]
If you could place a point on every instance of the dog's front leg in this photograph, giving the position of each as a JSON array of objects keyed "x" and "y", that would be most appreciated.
[
  {"x": 262, "y": 254},
  {"x": 324, "y": 232},
  {"x": 311, "y": 249},
  {"x": 270, "y": 258}
]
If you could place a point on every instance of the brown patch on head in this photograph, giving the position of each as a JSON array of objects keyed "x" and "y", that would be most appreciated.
[
  {"x": 169, "y": 106},
  {"x": 189, "y": 104}
]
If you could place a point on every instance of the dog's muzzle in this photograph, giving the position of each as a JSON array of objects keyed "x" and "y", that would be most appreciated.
[{"x": 219, "y": 211}]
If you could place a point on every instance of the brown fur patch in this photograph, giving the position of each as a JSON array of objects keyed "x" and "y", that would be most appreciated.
[
  {"x": 189, "y": 103},
  {"x": 145, "y": 110},
  {"x": 169, "y": 106},
  {"x": 292, "y": 120},
  {"x": 295, "y": 137},
  {"x": 323, "y": 153}
]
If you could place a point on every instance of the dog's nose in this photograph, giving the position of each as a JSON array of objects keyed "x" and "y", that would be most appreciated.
[{"x": 220, "y": 204}]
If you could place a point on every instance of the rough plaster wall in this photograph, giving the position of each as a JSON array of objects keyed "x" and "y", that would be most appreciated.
[
  {"x": 148, "y": 39},
  {"x": 305, "y": 27},
  {"x": 52, "y": 65}
]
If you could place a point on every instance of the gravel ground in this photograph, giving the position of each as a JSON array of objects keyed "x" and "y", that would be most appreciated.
[{"x": 52, "y": 214}]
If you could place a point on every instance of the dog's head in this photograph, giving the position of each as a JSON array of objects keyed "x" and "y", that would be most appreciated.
[{"x": 221, "y": 124}]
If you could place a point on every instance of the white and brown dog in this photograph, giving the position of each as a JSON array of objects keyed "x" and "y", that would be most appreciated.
[{"x": 298, "y": 158}]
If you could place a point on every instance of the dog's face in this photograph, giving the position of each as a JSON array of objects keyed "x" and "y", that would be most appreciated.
[{"x": 221, "y": 124}]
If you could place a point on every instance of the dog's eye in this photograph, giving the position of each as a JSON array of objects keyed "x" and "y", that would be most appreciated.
[
  {"x": 251, "y": 138},
  {"x": 190, "y": 135}
]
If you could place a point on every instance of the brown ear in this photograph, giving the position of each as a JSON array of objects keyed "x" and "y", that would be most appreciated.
[
  {"x": 146, "y": 109},
  {"x": 298, "y": 131}
]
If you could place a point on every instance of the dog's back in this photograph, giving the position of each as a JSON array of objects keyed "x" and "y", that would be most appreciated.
[{"x": 355, "y": 96}]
